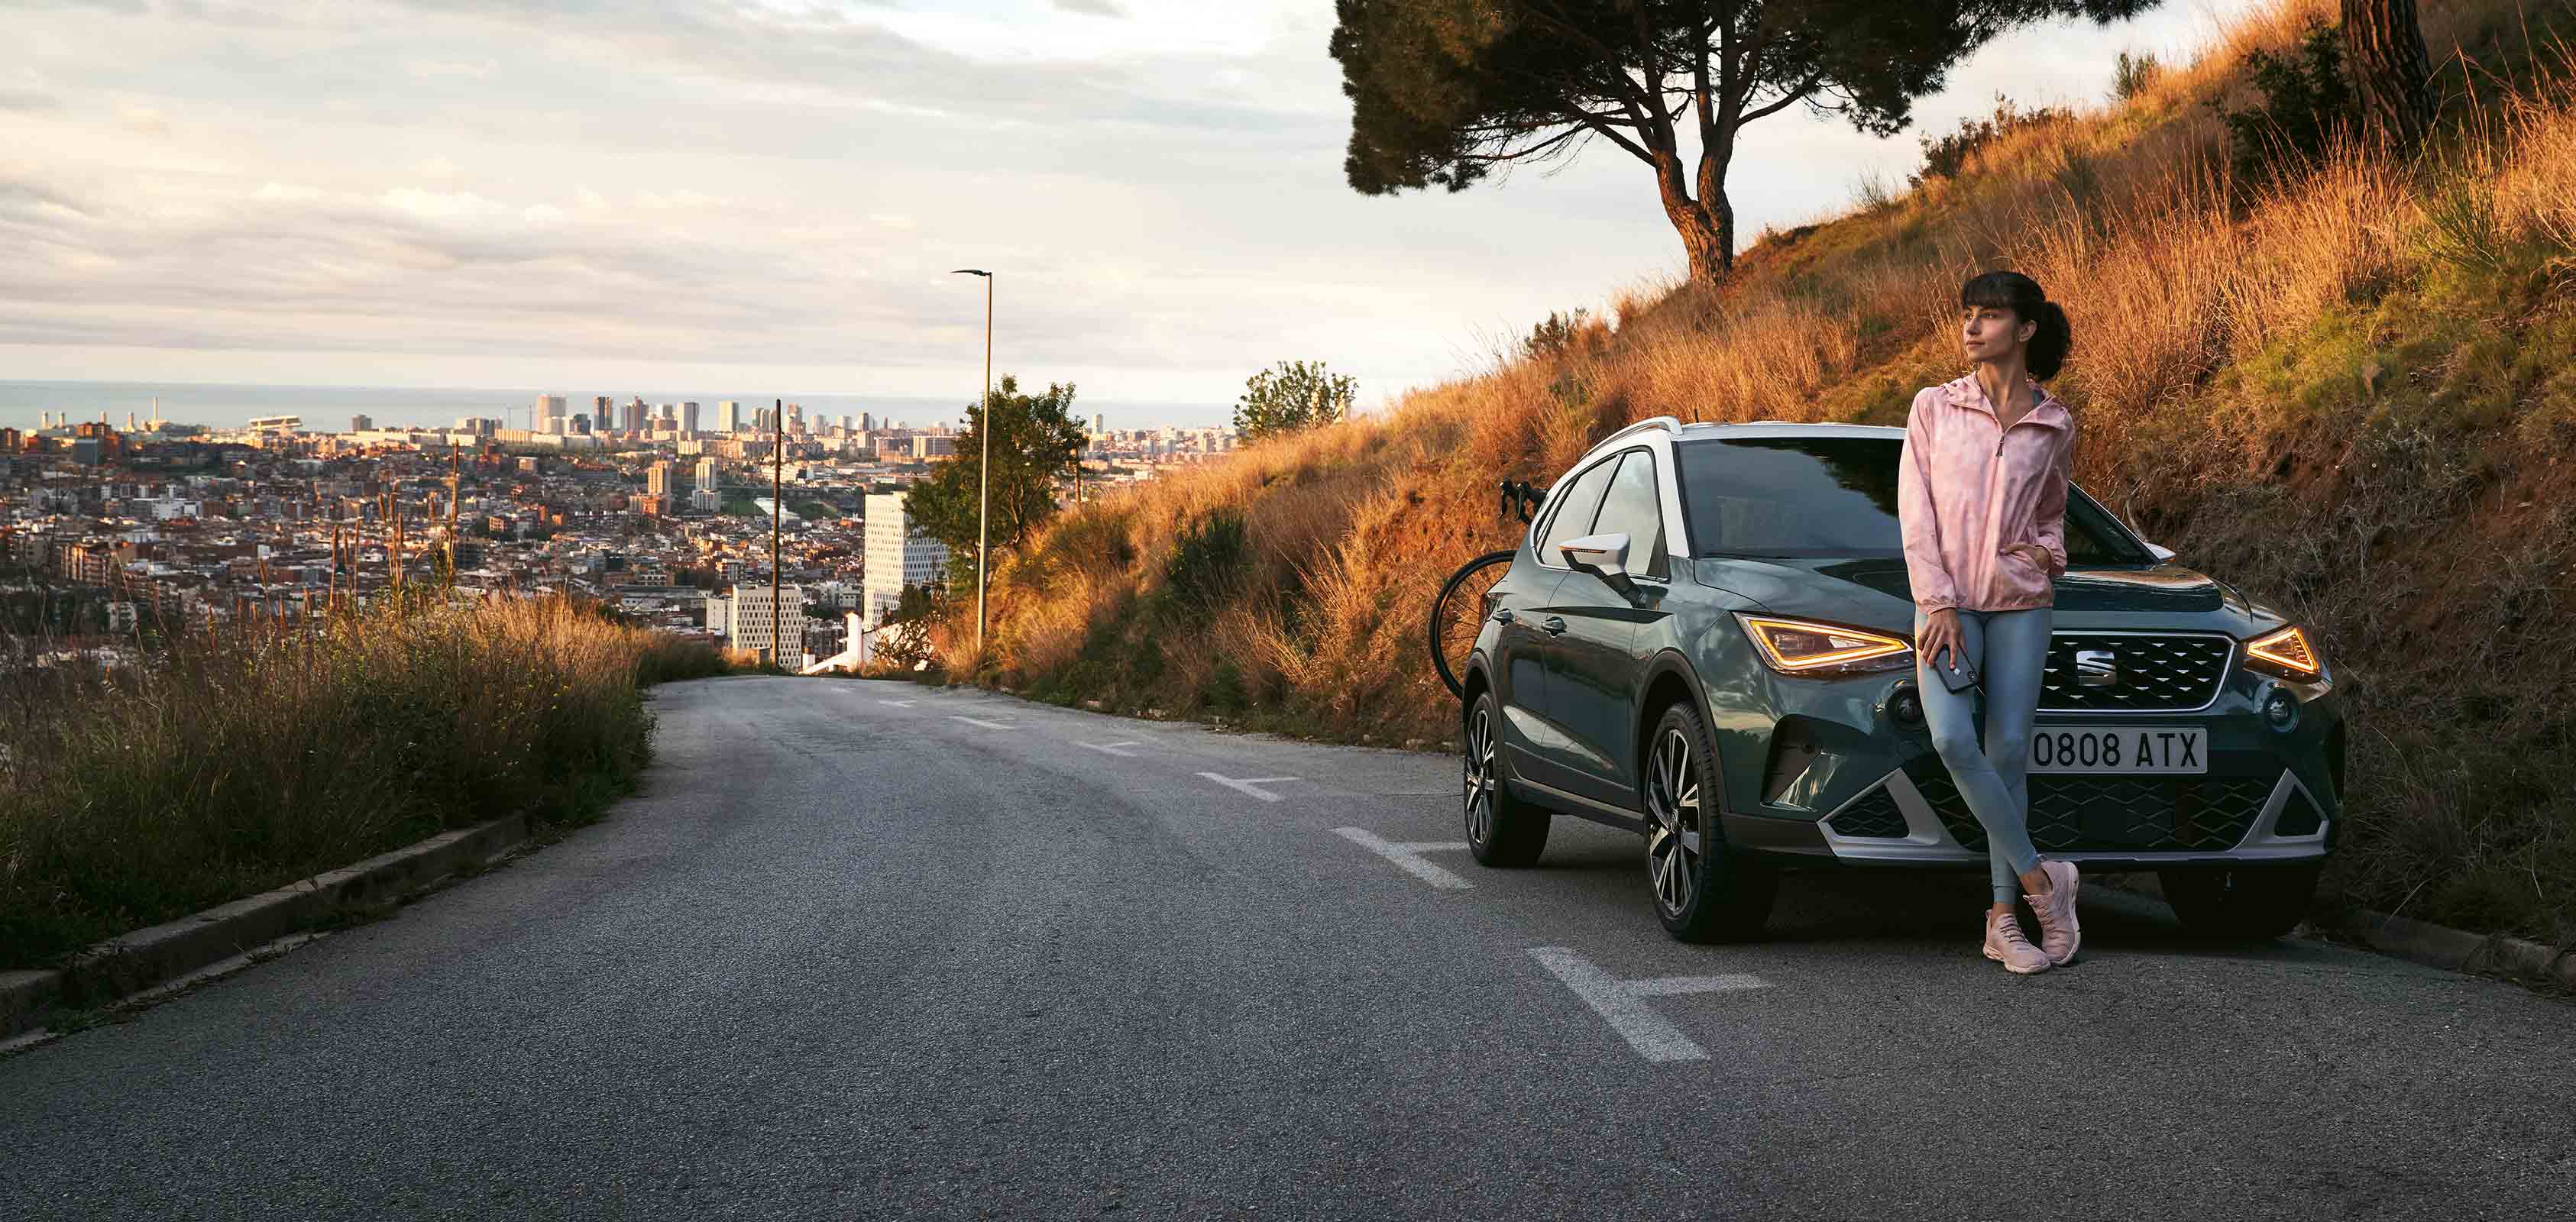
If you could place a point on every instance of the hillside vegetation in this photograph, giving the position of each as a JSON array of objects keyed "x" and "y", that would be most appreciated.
[
  {"x": 2351, "y": 390},
  {"x": 231, "y": 767}
]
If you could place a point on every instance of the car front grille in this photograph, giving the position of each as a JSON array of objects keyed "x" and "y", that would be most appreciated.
[
  {"x": 1873, "y": 814},
  {"x": 2195, "y": 814},
  {"x": 2155, "y": 672}
]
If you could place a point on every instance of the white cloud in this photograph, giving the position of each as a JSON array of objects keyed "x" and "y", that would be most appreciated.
[
  {"x": 431, "y": 69},
  {"x": 455, "y": 187},
  {"x": 145, "y": 119}
]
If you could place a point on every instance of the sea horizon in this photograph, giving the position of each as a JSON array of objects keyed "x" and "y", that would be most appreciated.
[{"x": 328, "y": 408}]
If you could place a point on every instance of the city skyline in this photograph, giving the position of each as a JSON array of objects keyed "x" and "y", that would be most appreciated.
[{"x": 228, "y": 404}]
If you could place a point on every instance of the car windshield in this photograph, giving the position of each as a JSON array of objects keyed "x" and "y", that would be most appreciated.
[{"x": 1812, "y": 496}]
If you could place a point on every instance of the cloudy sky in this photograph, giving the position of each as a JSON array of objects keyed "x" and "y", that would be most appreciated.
[{"x": 770, "y": 194}]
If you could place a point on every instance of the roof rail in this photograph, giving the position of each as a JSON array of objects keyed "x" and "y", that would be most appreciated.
[{"x": 1668, "y": 424}]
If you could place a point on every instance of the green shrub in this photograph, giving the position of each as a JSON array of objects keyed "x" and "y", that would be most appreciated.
[
  {"x": 2306, "y": 106},
  {"x": 2132, "y": 74},
  {"x": 1224, "y": 691},
  {"x": 1945, "y": 155},
  {"x": 1206, "y": 560}
]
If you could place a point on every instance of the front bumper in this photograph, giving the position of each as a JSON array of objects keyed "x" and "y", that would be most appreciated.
[
  {"x": 1829, "y": 774},
  {"x": 2141, "y": 821}
]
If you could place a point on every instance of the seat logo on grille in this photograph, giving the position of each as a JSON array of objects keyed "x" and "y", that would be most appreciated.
[{"x": 2094, "y": 668}]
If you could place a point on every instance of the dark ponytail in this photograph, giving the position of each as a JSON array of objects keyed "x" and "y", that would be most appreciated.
[{"x": 2046, "y": 352}]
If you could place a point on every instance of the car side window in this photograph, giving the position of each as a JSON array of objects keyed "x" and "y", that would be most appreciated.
[
  {"x": 1571, "y": 519},
  {"x": 1633, "y": 509}
]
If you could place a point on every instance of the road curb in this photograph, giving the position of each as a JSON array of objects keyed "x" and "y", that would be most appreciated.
[
  {"x": 2424, "y": 942},
  {"x": 133, "y": 962},
  {"x": 2458, "y": 949}
]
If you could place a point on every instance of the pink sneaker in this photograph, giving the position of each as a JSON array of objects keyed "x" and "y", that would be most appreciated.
[
  {"x": 2005, "y": 944},
  {"x": 2058, "y": 932}
]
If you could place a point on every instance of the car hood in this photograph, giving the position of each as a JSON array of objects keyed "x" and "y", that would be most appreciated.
[{"x": 1875, "y": 592}]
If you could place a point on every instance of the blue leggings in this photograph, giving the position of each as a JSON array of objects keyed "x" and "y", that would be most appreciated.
[{"x": 2009, "y": 650}]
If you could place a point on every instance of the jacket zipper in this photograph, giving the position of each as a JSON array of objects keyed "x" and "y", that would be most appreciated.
[{"x": 2001, "y": 429}]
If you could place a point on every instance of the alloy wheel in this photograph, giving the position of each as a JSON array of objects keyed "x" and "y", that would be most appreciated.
[
  {"x": 1673, "y": 839},
  {"x": 1480, "y": 777}
]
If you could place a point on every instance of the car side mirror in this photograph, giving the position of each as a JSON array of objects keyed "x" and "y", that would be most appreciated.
[
  {"x": 2161, "y": 553},
  {"x": 1603, "y": 556}
]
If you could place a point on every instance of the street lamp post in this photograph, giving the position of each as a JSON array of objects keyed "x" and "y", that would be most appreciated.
[
  {"x": 777, "y": 504},
  {"x": 984, "y": 472}
]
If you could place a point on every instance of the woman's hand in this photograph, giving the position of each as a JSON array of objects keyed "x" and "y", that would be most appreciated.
[
  {"x": 2032, "y": 552},
  {"x": 1940, "y": 630}
]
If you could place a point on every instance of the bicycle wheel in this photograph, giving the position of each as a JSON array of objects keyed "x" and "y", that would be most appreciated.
[{"x": 1459, "y": 614}]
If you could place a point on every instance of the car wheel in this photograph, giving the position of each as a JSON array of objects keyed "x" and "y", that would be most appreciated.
[
  {"x": 1501, "y": 830},
  {"x": 2241, "y": 904},
  {"x": 1704, "y": 890}
]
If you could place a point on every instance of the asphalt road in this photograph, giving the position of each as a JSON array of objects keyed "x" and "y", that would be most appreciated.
[{"x": 866, "y": 950}]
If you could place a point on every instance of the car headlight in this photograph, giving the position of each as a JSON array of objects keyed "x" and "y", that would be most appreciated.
[
  {"x": 1812, "y": 649},
  {"x": 2285, "y": 652}
]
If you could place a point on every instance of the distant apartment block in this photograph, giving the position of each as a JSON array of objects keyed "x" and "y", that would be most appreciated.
[
  {"x": 896, "y": 556},
  {"x": 748, "y": 618},
  {"x": 665, "y": 480}
]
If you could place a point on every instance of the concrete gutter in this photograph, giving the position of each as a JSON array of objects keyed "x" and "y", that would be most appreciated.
[
  {"x": 134, "y": 962},
  {"x": 2424, "y": 942},
  {"x": 2457, "y": 949}
]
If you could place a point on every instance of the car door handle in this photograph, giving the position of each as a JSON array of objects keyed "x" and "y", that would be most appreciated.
[
  {"x": 1503, "y": 616},
  {"x": 1554, "y": 625}
]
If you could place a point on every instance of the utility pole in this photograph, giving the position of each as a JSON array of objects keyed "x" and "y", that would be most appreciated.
[
  {"x": 984, "y": 474},
  {"x": 777, "y": 502},
  {"x": 455, "y": 484}
]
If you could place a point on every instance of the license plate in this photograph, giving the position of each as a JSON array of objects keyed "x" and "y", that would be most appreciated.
[{"x": 2121, "y": 749}]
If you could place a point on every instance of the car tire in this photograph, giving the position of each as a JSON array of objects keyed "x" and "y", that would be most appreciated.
[
  {"x": 1704, "y": 889},
  {"x": 2240, "y": 904},
  {"x": 1502, "y": 831}
]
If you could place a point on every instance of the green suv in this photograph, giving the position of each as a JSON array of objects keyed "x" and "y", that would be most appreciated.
[{"x": 1705, "y": 638}]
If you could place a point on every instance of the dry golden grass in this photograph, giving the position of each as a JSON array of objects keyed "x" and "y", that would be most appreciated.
[
  {"x": 2351, "y": 392},
  {"x": 227, "y": 768}
]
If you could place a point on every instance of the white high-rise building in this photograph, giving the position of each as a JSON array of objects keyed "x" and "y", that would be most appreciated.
[
  {"x": 897, "y": 556},
  {"x": 748, "y": 620},
  {"x": 550, "y": 414},
  {"x": 731, "y": 410}
]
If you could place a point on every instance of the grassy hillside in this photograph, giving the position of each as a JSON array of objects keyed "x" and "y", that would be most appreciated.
[
  {"x": 232, "y": 767},
  {"x": 2353, "y": 392}
]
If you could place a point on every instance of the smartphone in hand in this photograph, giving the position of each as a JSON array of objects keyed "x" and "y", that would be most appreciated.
[{"x": 1959, "y": 674}]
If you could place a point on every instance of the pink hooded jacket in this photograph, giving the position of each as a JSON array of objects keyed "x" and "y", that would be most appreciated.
[{"x": 1967, "y": 487}]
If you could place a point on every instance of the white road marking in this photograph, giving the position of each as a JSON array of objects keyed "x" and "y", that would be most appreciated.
[
  {"x": 977, "y": 721},
  {"x": 1676, "y": 986},
  {"x": 1113, "y": 748},
  {"x": 1250, "y": 785},
  {"x": 1408, "y": 857},
  {"x": 901, "y": 704},
  {"x": 1622, "y": 1002}
]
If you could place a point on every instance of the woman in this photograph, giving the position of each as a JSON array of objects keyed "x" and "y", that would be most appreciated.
[{"x": 1981, "y": 498}]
